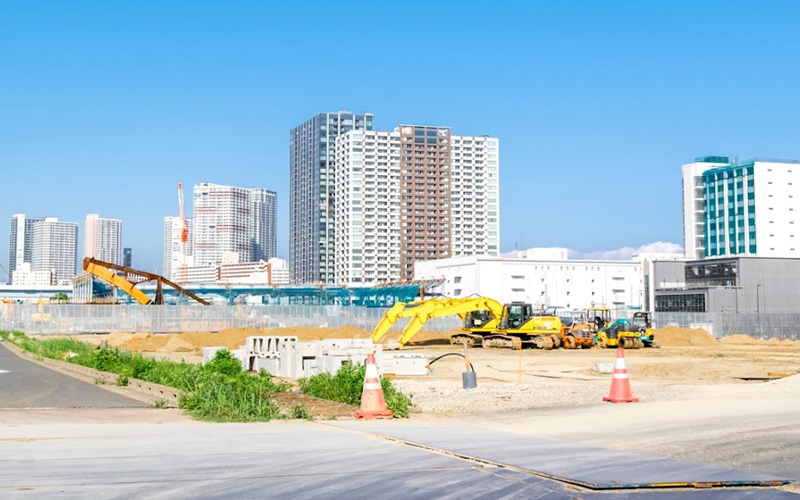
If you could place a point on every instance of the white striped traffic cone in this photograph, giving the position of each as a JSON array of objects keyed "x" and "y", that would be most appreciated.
[
  {"x": 373, "y": 405},
  {"x": 620, "y": 385}
]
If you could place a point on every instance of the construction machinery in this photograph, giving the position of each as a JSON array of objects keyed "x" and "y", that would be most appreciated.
[
  {"x": 486, "y": 322},
  {"x": 584, "y": 333},
  {"x": 621, "y": 333},
  {"x": 641, "y": 319},
  {"x": 127, "y": 279},
  {"x": 182, "y": 275}
]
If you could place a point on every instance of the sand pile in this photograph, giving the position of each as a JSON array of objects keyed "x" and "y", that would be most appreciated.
[
  {"x": 176, "y": 344},
  {"x": 671, "y": 336},
  {"x": 741, "y": 339}
]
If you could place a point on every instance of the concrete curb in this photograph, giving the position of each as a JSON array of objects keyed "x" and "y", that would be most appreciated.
[{"x": 158, "y": 391}]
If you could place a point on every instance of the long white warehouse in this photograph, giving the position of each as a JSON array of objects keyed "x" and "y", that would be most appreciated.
[{"x": 545, "y": 278}]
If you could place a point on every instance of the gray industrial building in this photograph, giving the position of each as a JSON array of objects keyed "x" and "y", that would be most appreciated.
[{"x": 730, "y": 285}]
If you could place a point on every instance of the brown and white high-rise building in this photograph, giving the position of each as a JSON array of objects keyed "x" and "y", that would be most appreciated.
[{"x": 416, "y": 193}]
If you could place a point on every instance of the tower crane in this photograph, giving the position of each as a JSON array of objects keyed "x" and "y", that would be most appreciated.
[{"x": 184, "y": 233}]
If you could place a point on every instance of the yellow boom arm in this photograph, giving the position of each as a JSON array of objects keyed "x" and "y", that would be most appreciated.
[
  {"x": 421, "y": 312},
  {"x": 116, "y": 280}
]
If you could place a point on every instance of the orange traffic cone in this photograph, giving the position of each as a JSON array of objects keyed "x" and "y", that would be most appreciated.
[
  {"x": 373, "y": 405},
  {"x": 620, "y": 385}
]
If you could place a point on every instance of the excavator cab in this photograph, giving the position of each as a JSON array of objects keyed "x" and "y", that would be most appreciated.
[
  {"x": 515, "y": 315},
  {"x": 598, "y": 317},
  {"x": 477, "y": 319}
]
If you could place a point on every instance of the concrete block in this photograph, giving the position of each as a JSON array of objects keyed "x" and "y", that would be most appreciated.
[
  {"x": 270, "y": 364},
  {"x": 603, "y": 367},
  {"x": 405, "y": 364}
]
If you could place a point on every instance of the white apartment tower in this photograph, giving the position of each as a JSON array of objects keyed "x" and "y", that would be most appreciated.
[
  {"x": 233, "y": 219},
  {"x": 55, "y": 247},
  {"x": 176, "y": 253},
  {"x": 694, "y": 204},
  {"x": 416, "y": 193},
  {"x": 475, "y": 196},
  {"x": 20, "y": 242},
  {"x": 102, "y": 239},
  {"x": 748, "y": 209},
  {"x": 368, "y": 207}
]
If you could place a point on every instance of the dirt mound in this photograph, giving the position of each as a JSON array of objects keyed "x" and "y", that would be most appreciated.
[
  {"x": 671, "y": 336},
  {"x": 177, "y": 344},
  {"x": 740, "y": 338},
  {"x": 116, "y": 339}
]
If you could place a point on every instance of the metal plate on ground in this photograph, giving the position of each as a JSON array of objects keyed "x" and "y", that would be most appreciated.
[{"x": 587, "y": 466}]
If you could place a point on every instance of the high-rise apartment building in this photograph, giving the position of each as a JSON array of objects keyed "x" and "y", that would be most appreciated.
[
  {"x": 694, "y": 205},
  {"x": 264, "y": 214},
  {"x": 367, "y": 211},
  {"x": 416, "y": 193},
  {"x": 312, "y": 199},
  {"x": 748, "y": 209},
  {"x": 176, "y": 253},
  {"x": 232, "y": 219},
  {"x": 20, "y": 242},
  {"x": 55, "y": 247},
  {"x": 127, "y": 257},
  {"x": 102, "y": 239}
]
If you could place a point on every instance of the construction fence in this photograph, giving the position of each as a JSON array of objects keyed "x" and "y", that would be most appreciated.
[
  {"x": 75, "y": 319},
  {"x": 766, "y": 326}
]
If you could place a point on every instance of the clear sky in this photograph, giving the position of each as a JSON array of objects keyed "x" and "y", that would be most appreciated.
[{"x": 106, "y": 106}]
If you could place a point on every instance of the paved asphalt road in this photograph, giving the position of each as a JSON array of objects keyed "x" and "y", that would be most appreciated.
[
  {"x": 292, "y": 460},
  {"x": 24, "y": 384}
]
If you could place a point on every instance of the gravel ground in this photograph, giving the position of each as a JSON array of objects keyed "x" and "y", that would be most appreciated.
[{"x": 447, "y": 397}]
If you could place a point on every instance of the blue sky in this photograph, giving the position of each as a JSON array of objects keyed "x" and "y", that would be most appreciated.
[{"x": 106, "y": 106}]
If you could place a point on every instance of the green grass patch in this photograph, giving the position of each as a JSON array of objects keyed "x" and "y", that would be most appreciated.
[
  {"x": 347, "y": 385},
  {"x": 218, "y": 391}
]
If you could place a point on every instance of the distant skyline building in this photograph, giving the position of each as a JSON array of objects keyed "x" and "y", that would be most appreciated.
[
  {"x": 20, "y": 242},
  {"x": 55, "y": 248},
  {"x": 233, "y": 219},
  {"x": 417, "y": 193},
  {"x": 312, "y": 169},
  {"x": 264, "y": 230},
  {"x": 749, "y": 208},
  {"x": 175, "y": 252},
  {"x": 127, "y": 257},
  {"x": 102, "y": 239}
]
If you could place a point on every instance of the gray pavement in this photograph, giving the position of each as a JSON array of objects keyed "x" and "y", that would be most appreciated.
[
  {"x": 24, "y": 384},
  {"x": 276, "y": 460}
]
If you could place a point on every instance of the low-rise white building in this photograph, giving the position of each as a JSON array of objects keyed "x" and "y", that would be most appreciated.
[
  {"x": 24, "y": 276},
  {"x": 546, "y": 278}
]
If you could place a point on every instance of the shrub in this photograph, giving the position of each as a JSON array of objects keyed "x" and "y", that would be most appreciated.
[{"x": 347, "y": 385}]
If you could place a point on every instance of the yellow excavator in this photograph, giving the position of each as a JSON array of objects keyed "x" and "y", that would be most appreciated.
[
  {"x": 486, "y": 322},
  {"x": 120, "y": 279}
]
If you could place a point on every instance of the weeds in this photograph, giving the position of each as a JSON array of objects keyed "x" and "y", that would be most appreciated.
[
  {"x": 159, "y": 403},
  {"x": 219, "y": 391},
  {"x": 346, "y": 387},
  {"x": 300, "y": 412}
]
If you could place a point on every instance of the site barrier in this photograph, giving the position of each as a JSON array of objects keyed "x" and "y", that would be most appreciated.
[
  {"x": 780, "y": 326},
  {"x": 75, "y": 319}
]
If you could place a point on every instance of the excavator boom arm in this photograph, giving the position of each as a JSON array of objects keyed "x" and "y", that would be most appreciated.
[{"x": 118, "y": 281}]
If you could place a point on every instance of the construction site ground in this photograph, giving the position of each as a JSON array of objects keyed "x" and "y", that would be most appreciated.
[
  {"x": 689, "y": 365},
  {"x": 732, "y": 403}
]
